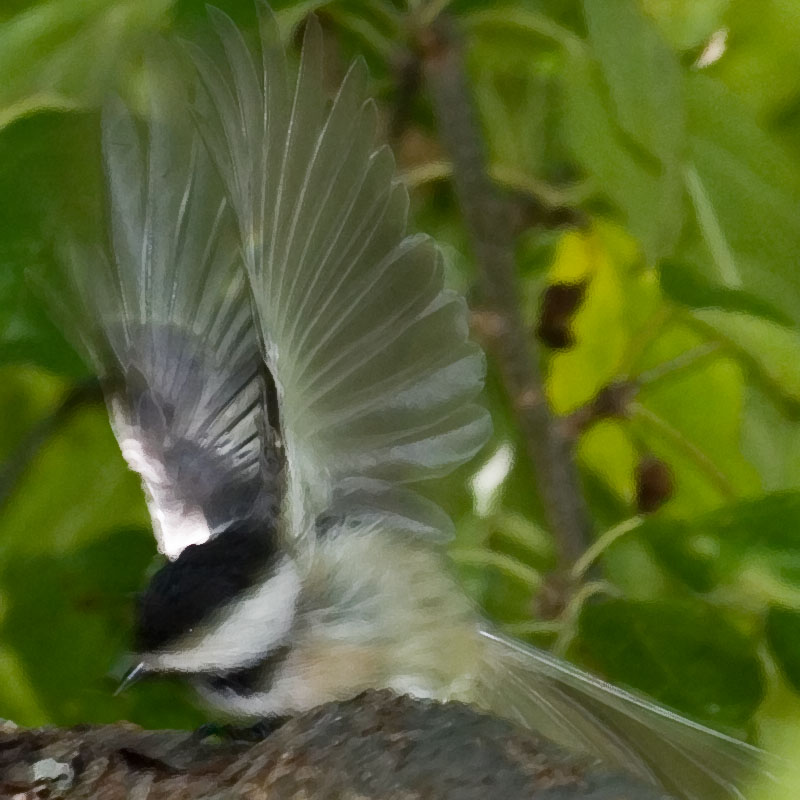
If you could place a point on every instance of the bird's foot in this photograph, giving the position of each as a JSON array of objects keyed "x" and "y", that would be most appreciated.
[{"x": 239, "y": 733}]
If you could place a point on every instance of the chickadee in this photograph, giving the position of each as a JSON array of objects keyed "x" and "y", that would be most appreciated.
[{"x": 280, "y": 360}]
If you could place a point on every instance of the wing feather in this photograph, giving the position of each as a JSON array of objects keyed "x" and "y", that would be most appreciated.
[
  {"x": 374, "y": 371},
  {"x": 163, "y": 312}
]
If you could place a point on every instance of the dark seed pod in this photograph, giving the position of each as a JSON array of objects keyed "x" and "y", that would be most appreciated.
[
  {"x": 654, "y": 484},
  {"x": 559, "y": 304}
]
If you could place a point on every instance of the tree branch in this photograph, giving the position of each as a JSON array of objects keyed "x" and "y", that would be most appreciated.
[
  {"x": 15, "y": 466},
  {"x": 488, "y": 217},
  {"x": 374, "y": 747}
]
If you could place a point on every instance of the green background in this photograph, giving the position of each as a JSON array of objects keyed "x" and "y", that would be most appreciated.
[{"x": 662, "y": 181}]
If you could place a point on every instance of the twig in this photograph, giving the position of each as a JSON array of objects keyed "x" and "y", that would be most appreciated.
[
  {"x": 611, "y": 402},
  {"x": 697, "y": 456},
  {"x": 488, "y": 219},
  {"x": 614, "y": 401},
  {"x": 548, "y": 199},
  {"x": 15, "y": 466},
  {"x": 689, "y": 358}
]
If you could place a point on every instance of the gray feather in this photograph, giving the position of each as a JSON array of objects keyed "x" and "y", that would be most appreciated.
[
  {"x": 373, "y": 367},
  {"x": 163, "y": 312}
]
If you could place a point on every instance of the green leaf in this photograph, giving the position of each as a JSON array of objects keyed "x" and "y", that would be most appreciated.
[
  {"x": 642, "y": 74},
  {"x": 50, "y": 189},
  {"x": 689, "y": 287},
  {"x": 74, "y": 611},
  {"x": 77, "y": 488},
  {"x": 751, "y": 545},
  {"x": 687, "y": 23},
  {"x": 770, "y": 440},
  {"x": 762, "y": 63},
  {"x": 783, "y": 635},
  {"x": 45, "y": 49},
  {"x": 624, "y": 119},
  {"x": 685, "y": 654},
  {"x": 691, "y": 419},
  {"x": 643, "y": 188},
  {"x": 771, "y": 349},
  {"x": 29, "y": 395},
  {"x": 686, "y": 554},
  {"x": 744, "y": 192},
  {"x": 27, "y": 335},
  {"x": 68, "y": 621}
]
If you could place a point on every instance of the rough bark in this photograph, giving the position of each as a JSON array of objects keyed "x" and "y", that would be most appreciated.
[{"x": 374, "y": 747}]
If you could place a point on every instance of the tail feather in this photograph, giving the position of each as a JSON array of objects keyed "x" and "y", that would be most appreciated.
[{"x": 584, "y": 713}]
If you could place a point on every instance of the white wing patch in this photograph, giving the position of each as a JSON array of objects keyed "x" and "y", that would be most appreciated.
[
  {"x": 176, "y": 525},
  {"x": 162, "y": 311}
]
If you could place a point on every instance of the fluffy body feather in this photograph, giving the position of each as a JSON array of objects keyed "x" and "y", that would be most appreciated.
[{"x": 293, "y": 396}]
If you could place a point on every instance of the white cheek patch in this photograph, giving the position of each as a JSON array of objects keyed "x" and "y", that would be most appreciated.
[
  {"x": 244, "y": 632},
  {"x": 175, "y": 524}
]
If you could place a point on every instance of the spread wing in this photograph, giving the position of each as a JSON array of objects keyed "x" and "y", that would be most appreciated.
[
  {"x": 584, "y": 713},
  {"x": 162, "y": 311},
  {"x": 373, "y": 367}
]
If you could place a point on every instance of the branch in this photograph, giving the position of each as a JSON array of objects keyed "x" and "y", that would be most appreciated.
[
  {"x": 374, "y": 747},
  {"x": 16, "y": 465},
  {"x": 488, "y": 217}
]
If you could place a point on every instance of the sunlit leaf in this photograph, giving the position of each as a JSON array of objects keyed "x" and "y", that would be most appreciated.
[
  {"x": 691, "y": 420},
  {"x": 772, "y": 349},
  {"x": 578, "y": 373}
]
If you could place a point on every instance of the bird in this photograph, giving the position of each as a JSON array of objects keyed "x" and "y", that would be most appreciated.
[{"x": 282, "y": 365}]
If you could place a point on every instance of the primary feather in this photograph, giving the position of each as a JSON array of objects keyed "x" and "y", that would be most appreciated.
[
  {"x": 162, "y": 311},
  {"x": 370, "y": 354}
]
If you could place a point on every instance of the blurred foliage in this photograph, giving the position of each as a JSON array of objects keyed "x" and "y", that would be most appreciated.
[{"x": 654, "y": 147}]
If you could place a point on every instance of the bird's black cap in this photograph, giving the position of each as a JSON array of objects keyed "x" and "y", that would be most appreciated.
[{"x": 203, "y": 579}]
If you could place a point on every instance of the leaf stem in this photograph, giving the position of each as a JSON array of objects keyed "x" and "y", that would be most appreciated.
[
  {"x": 569, "y": 619},
  {"x": 482, "y": 557},
  {"x": 687, "y": 359},
  {"x": 601, "y": 545}
]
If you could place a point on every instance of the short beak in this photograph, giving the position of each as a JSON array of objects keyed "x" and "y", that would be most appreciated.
[{"x": 133, "y": 675}]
